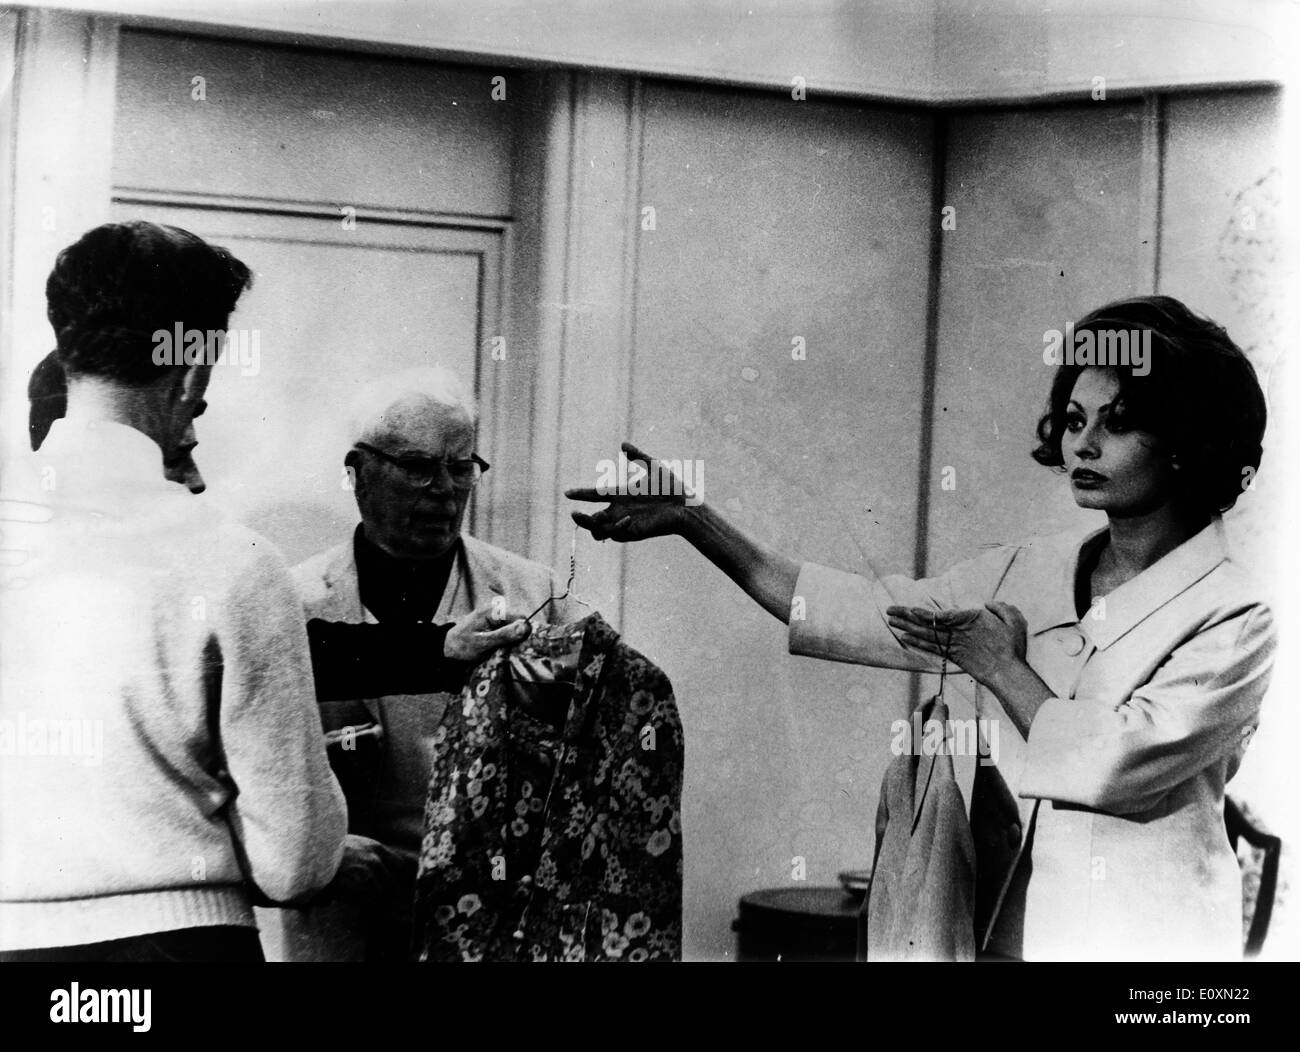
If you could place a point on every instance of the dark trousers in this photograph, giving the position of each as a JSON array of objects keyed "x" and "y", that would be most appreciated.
[{"x": 216, "y": 944}]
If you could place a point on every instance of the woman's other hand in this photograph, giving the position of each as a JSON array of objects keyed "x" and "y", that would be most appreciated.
[
  {"x": 984, "y": 642},
  {"x": 632, "y": 517}
]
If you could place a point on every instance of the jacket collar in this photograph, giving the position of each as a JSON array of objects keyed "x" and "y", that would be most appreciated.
[
  {"x": 343, "y": 586},
  {"x": 1135, "y": 600},
  {"x": 1130, "y": 603},
  {"x": 343, "y": 594},
  {"x": 1055, "y": 561}
]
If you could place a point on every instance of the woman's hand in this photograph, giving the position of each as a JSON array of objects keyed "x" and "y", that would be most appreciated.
[
  {"x": 988, "y": 643},
  {"x": 767, "y": 576},
  {"x": 984, "y": 642},
  {"x": 631, "y": 517}
]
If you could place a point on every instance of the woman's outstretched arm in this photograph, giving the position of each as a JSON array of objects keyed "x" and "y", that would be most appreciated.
[{"x": 768, "y": 577}]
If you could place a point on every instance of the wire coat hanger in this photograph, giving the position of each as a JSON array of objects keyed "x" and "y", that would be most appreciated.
[{"x": 568, "y": 585}]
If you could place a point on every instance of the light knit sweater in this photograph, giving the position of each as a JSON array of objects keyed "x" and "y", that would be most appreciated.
[{"x": 161, "y": 754}]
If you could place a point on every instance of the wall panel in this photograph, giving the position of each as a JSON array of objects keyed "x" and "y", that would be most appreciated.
[
  {"x": 310, "y": 125},
  {"x": 1048, "y": 226},
  {"x": 1224, "y": 251},
  {"x": 776, "y": 220}
]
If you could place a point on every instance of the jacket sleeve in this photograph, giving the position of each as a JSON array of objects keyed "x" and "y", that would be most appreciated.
[
  {"x": 288, "y": 816},
  {"x": 1200, "y": 706},
  {"x": 368, "y": 661},
  {"x": 841, "y": 616}
]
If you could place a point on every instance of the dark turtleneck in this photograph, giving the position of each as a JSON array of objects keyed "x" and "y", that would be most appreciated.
[
  {"x": 400, "y": 590},
  {"x": 403, "y": 654}
]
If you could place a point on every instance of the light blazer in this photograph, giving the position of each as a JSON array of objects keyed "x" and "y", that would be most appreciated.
[{"x": 1120, "y": 783}]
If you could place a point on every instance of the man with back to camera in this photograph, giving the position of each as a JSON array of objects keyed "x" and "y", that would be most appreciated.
[
  {"x": 107, "y": 294},
  {"x": 164, "y": 768}
]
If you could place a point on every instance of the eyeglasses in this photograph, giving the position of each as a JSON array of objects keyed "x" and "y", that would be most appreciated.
[{"x": 422, "y": 471}]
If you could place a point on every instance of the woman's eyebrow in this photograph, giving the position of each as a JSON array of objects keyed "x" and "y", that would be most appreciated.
[{"x": 1104, "y": 409}]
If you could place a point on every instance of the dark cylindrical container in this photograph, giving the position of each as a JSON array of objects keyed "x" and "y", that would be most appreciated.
[{"x": 797, "y": 924}]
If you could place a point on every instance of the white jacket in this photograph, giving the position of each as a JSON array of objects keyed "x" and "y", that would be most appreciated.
[{"x": 1121, "y": 780}]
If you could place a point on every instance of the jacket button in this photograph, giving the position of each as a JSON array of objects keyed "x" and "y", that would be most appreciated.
[
  {"x": 1073, "y": 643},
  {"x": 1013, "y": 834}
]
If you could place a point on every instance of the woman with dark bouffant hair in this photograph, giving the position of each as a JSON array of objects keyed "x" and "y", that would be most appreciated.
[
  {"x": 1118, "y": 673},
  {"x": 1196, "y": 394}
]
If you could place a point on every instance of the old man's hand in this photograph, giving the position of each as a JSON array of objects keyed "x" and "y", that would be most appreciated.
[{"x": 487, "y": 628}]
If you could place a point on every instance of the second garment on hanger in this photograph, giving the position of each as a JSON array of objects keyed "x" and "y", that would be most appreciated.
[
  {"x": 553, "y": 823},
  {"x": 921, "y": 902},
  {"x": 934, "y": 893}
]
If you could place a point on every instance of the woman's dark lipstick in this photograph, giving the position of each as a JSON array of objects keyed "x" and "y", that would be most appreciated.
[{"x": 1084, "y": 477}]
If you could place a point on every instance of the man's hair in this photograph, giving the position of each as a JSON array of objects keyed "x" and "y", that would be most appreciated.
[
  {"x": 47, "y": 391},
  {"x": 1198, "y": 393},
  {"x": 110, "y": 291},
  {"x": 434, "y": 384}
]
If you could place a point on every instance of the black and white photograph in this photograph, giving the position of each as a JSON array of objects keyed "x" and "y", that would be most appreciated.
[{"x": 703, "y": 481}]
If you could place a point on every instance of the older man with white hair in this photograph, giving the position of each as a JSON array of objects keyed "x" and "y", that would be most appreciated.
[{"x": 413, "y": 467}]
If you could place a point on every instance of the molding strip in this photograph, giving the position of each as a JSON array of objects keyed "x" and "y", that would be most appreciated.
[
  {"x": 310, "y": 209},
  {"x": 631, "y": 263},
  {"x": 930, "y": 363},
  {"x": 1151, "y": 187}
]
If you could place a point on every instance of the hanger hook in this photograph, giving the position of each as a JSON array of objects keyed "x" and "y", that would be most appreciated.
[{"x": 568, "y": 585}]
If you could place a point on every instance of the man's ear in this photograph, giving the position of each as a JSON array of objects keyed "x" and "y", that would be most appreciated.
[{"x": 192, "y": 384}]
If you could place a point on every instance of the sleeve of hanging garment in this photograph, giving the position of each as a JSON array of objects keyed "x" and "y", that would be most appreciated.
[
  {"x": 1201, "y": 705},
  {"x": 840, "y": 616}
]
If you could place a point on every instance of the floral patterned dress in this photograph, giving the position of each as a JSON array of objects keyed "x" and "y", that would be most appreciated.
[{"x": 553, "y": 821}]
